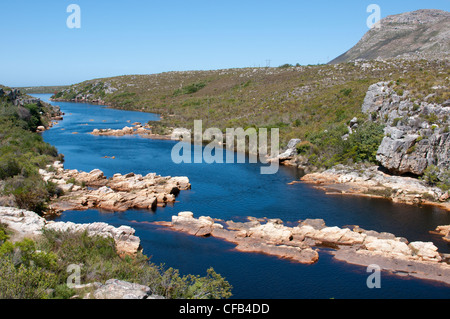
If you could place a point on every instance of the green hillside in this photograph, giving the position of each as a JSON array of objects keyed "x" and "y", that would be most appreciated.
[{"x": 314, "y": 103}]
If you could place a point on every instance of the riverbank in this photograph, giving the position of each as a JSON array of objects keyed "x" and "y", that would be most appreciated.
[
  {"x": 372, "y": 182},
  {"x": 303, "y": 243}
]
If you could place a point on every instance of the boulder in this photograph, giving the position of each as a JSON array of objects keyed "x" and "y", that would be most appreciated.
[
  {"x": 119, "y": 193},
  {"x": 271, "y": 232},
  {"x": 425, "y": 250},
  {"x": 290, "y": 151},
  {"x": 118, "y": 289},
  {"x": 201, "y": 227},
  {"x": 125, "y": 241},
  {"x": 388, "y": 246},
  {"x": 181, "y": 134},
  {"x": 317, "y": 223},
  {"x": 304, "y": 255},
  {"x": 22, "y": 222}
]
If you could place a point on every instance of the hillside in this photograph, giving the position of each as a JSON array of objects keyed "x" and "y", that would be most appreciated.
[
  {"x": 23, "y": 151},
  {"x": 422, "y": 33},
  {"x": 302, "y": 101},
  {"x": 41, "y": 89}
]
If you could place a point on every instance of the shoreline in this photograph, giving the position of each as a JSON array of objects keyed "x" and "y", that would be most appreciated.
[{"x": 373, "y": 183}]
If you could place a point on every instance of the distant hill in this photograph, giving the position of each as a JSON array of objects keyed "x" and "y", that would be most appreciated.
[
  {"x": 423, "y": 33},
  {"x": 41, "y": 89}
]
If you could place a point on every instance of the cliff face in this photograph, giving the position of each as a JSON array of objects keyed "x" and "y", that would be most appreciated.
[
  {"x": 422, "y": 33},
  {"x": 417, "y": 133}
]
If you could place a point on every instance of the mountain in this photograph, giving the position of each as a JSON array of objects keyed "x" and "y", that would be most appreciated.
[{"x": 423, "y": 33}]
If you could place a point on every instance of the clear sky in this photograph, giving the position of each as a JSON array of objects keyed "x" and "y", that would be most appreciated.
[{"x": 149, "y": 36}]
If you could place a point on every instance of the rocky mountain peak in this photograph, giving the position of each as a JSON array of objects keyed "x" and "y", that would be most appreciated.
[{"x": 423, "y": 33}]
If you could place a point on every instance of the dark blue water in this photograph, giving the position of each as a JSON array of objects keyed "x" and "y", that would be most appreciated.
[{"x": 234, "y": 191}]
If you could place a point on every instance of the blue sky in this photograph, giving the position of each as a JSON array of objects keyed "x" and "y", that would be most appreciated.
[{"x": 143, "y": 37}]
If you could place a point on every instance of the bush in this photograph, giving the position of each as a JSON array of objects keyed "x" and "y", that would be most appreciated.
[
  {"x": 364, "y": 143},
  {"x": 285, "y": 66},
  {"x": 303, "y": 148},
  {"x": 433, "y": 176},
  {"x": 101, "y": 262},
  {"x": 24, "y": 282},
  {"x": 29, "y": 193},
  {"x": 34, "y": 270},
  {"x": 190, "y": 89},
  {"x": 328, "y": 148},
  {"x": 346, "y": 92}
]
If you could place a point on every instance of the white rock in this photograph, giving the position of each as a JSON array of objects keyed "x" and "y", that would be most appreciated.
[{"x": 425, "y": 250}]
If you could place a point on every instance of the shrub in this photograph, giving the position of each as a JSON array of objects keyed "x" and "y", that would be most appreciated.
[
  {"x": 285, "y": 66},
  {"x": 101, "y": 262},
  {"x": 303, "y": 148},
  {"x": 364, "y": 143},
  {"x": 346, "y": 92},
  {"x": 431, "y": 175},
  {"x": 190, "y": 89},
  {"x": 24, "y": 282},
  {"x": 29, "y": 192}
]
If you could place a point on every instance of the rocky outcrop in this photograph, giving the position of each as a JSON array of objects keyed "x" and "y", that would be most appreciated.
[
  {"x": 416, "y": 133},
  {"x": 28, "y": 224},
  {"x": 373, "y": 182},
  {"x": 287, "y": 156},
  {"x": 87, "y": 92},
  {"x": 84, "y": 190},
  {"x": 269, "y": 238},
  {"x": 119, "y": 289},
  {"x": 302, "y": 243},
  {"x": 137, "y": 129},
  {"x": 144, "y": 131},
  {"x": 290, "y": 150},
  {"x": 22, "y": 222}
]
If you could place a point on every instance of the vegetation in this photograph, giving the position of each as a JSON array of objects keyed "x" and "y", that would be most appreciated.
[
  {"x": 38, "y": 269},
  {"x": 42, "y": 89},
  {"x": 22, "y": 153},
  {"x": 328, "y": 148},
  {"x": 433, "y": 176}
]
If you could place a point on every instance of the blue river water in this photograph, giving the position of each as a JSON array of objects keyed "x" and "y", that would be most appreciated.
[{"x": 233, "y": 192}]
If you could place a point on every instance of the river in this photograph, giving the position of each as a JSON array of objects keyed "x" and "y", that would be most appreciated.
[{"x": 233, "y": 192}]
